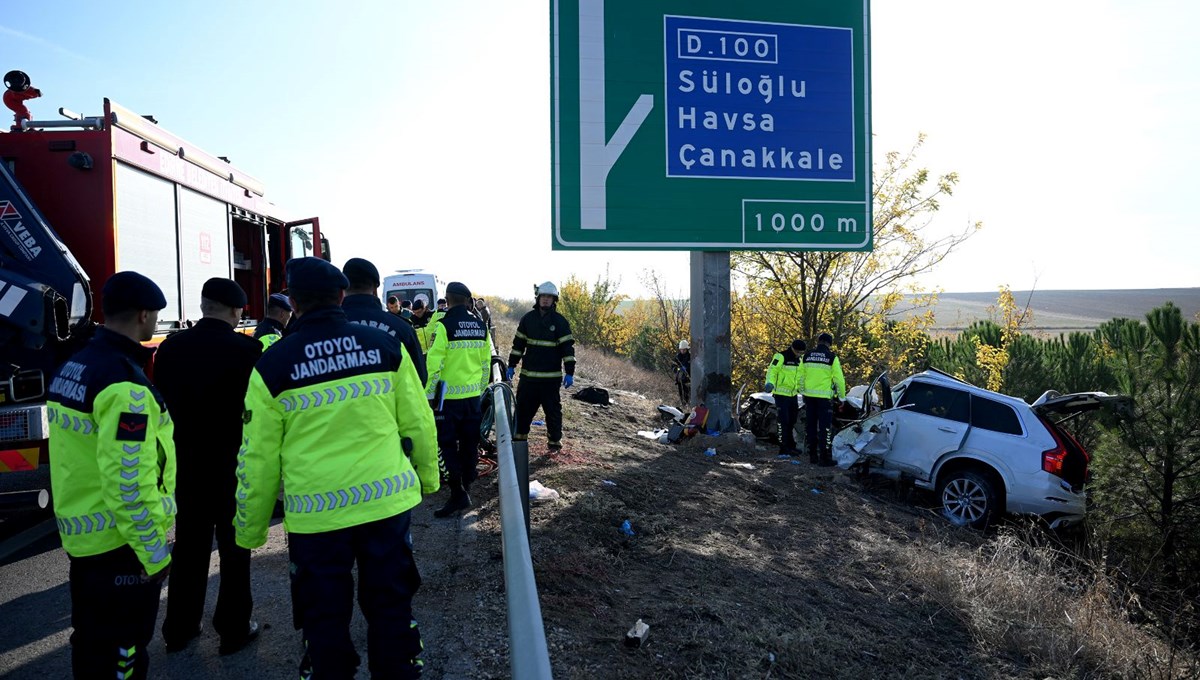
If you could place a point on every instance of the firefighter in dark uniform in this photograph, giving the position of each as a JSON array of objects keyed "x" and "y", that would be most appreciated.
[
  {"x": 460, "y": 361},
  {"x": 545, "y": 343},
  {"x": 362, "y": 306},
  {"x": 336, "y": 411},
  {"x": 823, "y": 382},
  {"x": 785, "y": 380},
  {"x": 202, "y": 373},
  {"x": 112, "y": 471},
  {"x": 279, "y": 312}
]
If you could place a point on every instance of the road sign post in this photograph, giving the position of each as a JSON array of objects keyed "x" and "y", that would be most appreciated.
[{"x": 708, "y": 125}]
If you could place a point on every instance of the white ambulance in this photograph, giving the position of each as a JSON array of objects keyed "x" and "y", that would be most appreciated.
[{"x": 413, "y": 285}]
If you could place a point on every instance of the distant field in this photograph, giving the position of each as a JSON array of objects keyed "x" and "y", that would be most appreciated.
[{"x": 1059, "y": 311}]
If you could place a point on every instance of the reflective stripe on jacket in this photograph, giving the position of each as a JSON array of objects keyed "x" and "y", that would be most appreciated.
[
  {"x": 545, "y": 344},
  {"x": 112, "y": 457},
  {"x": 332, "y": 410},
  {"x": 823, "y": 377},
  {"x": 786, "y": 373},
  {"x": 460, "y": 356}
]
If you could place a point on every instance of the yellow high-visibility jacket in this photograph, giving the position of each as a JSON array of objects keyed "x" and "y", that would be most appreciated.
[
  {"x": 460, "y": 356},
  {"x": 112, "y": 456},
  {"x": 336, "y": 411}
]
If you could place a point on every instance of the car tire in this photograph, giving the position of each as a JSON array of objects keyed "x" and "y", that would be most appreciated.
[{"x": 969, "y": 498}]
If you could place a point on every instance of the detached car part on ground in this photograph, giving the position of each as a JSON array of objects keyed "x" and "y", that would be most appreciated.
[
  {"x": 983, "y": 453},
  {"x": 758, "y": 413}
]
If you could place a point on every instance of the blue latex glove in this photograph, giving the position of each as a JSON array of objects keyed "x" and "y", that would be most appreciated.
[
  {"x": 769, "y": 387},
  {"x": 510, "y": 373},
  {"x": 568, "y": 380}
]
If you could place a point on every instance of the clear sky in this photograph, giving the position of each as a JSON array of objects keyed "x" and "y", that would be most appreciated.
[{"x": 420, "y": 131}]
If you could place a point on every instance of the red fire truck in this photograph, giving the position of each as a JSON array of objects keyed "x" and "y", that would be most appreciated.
[{"x": 84, "y": 197}]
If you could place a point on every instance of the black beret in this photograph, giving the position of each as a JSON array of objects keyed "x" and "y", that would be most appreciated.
[
  {"x": 457, "y": 288},
  {"x": 224, "y": 291},
  {"x": 361, "y": 272},
  {"x": 129, "y": 291},
  {"x": 406, "y": 304},
  {"x": 314, "y": 275},
  {"x": 279, "y": 300},
  {"x": 419, "y": 303},
  {"x": 799, "y": 345},
  {"x": 825, "y": 339}
]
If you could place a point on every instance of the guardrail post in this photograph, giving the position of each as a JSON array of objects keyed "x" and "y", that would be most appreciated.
[{"x": 521, "y": 460}]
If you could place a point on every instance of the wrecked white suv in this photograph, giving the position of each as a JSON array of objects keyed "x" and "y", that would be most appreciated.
[{"x": 983, "y": 453}]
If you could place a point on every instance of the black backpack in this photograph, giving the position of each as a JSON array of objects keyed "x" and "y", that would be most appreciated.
[{"x": 593, "y": 395}]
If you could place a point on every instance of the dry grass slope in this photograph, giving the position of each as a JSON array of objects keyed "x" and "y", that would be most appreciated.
[{"x": 790, "y": 571}]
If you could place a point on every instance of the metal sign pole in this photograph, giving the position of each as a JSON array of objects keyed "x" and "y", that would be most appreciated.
[{"x": 710, "y": 330}]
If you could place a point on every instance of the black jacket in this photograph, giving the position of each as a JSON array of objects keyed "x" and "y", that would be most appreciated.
[
  {"x": 202, "y": 373},
  {"x": 367, "y": 310},
  {"x": 545, "y": 343},
  {"x": 266, "y": 327}
]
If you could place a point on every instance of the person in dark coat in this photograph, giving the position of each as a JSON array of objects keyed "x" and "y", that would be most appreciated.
[
  {"x": 279, "y": 313},
  {"x": 362, "y": 306},
  {"x": 202, "y": 373}
]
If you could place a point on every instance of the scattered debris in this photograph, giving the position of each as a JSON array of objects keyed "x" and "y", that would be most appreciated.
[
  {"x": 655, "y": 434},
  {"x": 741, "y": 466},
  {"x": 817, "y": 491},
  {"x": 636, "y": 636},
  {"x": 668, "y": 412},
  {"x": 539, "y": 423},
  {"x": 627, "y": 528},
  {"x": 710, "y": 451},
  {"x": 537, "y": 492},
  {"x": 608, "y": 482}
]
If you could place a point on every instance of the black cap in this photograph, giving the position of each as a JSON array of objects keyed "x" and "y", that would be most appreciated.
[
  {"x": 361, "y": 273},
  {"x": 406, "y": 304},
  {"x": 457, "y": 288},
  {"x": 280, "y": 301},
  {"x": 799, "y": 345},
  {"x": 130, "y": 291},
  {"x": 314, "y": 275},
  {"x": 224, "y": 291},
  {"x": 419, "y": 303},
  {"x": 825, "y": 339},
  {"x": 441, "y": 301}
]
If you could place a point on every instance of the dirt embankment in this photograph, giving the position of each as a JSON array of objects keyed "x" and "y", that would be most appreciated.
[{"x": 783, "y": 570}]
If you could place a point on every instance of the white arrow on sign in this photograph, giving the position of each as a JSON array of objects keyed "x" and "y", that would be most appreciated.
[{"x": 597, "y": 156}]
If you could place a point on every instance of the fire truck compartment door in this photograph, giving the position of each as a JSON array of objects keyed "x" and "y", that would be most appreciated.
[{"x": 147, "y": 239}]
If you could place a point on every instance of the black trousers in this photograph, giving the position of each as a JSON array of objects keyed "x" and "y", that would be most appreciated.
[
  {"x": 788, "y": 410},
  {"x": 198, "y": 520},
  {"x": 684, "y": 385},
  {"x": 323, "y": 584},
  {"x": 458, "y": 438},
  {"x": 533, "y": 393},
  {"x": 113, "y": 609},
  {"x": 819, "y": 416}
]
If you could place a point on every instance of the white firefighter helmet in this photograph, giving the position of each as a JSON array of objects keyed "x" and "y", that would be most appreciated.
[
  {"x": 683, "y": 344},
  {"x": 546, "y": 288}
]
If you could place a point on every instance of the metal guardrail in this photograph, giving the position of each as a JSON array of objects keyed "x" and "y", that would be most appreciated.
[{"x": 529, "y": 658}]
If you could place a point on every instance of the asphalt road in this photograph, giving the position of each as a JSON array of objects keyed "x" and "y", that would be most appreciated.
[{"x": 35, "y": 608}]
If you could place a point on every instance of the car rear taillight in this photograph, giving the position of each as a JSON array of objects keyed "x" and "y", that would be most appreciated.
[
  {"x": 1055, "y": 460},
  {"x": 1052, "y": 460}
]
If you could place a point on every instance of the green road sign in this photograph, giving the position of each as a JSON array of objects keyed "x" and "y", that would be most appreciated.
[{"x": 710, "y": 125}]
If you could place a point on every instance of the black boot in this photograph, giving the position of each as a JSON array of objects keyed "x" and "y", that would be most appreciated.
[{"x": 459, "y": 500}]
